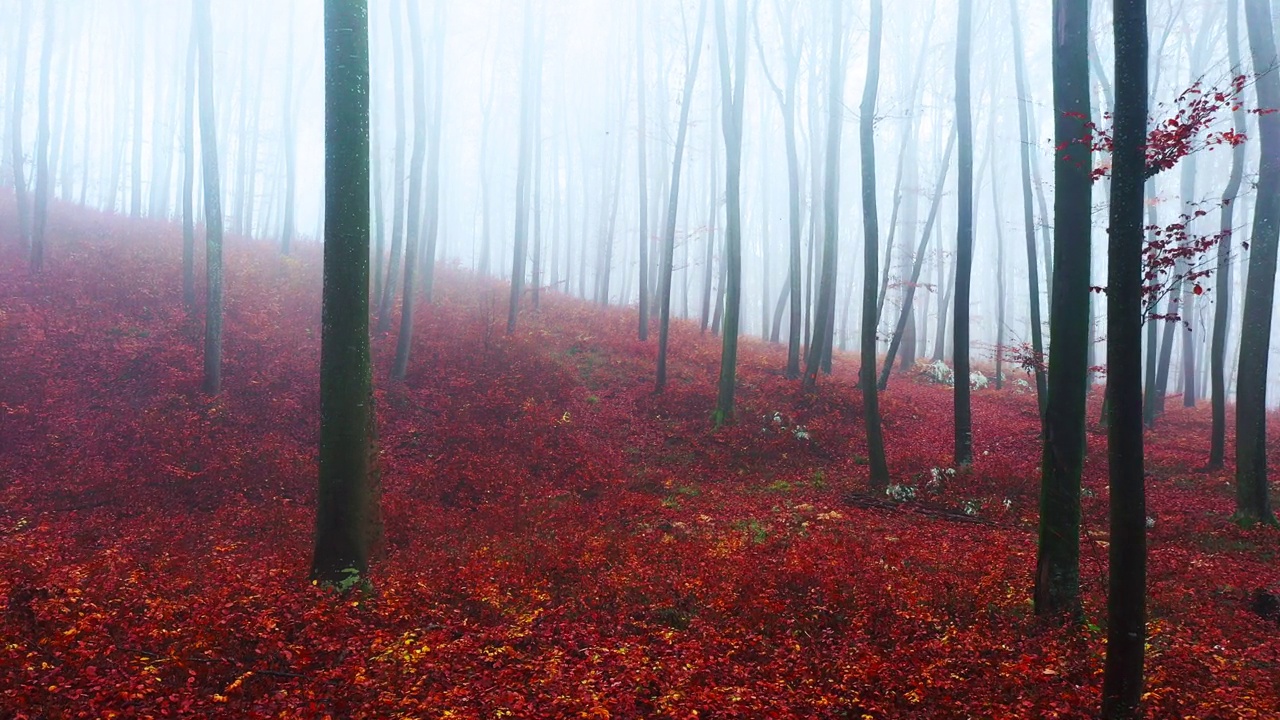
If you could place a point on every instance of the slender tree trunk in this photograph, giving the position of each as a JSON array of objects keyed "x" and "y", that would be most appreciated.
[
  {"x": 387, "y": 300},
  {"x": 527, "y": 108},
  {"x": 404, "y": 340},
  {"x": 642, "y": 182},
  {"x": 291, "y": 161},
  {"x": 15, "y": 134},
  {"x": 824, "y": 313},
  {"x": 1028, "y": 216},
  {"x": 189, "y": 171},
  {"x": 964, "y": 237},
  {"x": 871, "y": 255},
  {"x": 732, "y": 90},
  {"x": 896, "y": 341},
  {"x": 433, "y": 160},
  {"x": 212, "y": 205},
  {"x": 139, "y": 64},
  {"x": 1126, "y": 596},
  {"x": 673, "y": 202},
  {"x": 1222, "y": 280},
  {"x": 43, "y": 180},
  {"x": 1252, "y": 501},
  {"x": 348, "y": 523}
]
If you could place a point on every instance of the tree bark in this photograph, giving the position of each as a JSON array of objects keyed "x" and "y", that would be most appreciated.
[
  {"x": 732, "y": 90},
  {"x": 1222, "y": 281},
  {"x": 1126, "y": 596},
  {"x": 964, "y": 237},
  {"x": 871, "y": 256},
  {"x": 1252, "y": 501},
  {"x": 212, "y": 206},
  {"x": 347, "y": 518},
  {"x": 673, "y": 202}
]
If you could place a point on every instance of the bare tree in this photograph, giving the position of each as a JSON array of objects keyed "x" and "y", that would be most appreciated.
[{"x": 212, "y": 204}]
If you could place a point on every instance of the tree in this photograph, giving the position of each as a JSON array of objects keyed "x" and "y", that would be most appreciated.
[
  {"x": 397, "y": 220},
  {"x": 524, "y": 160},
  {"x": 1252, "y": 501},
  {"x": 1058, "y": 563},
  {"x": 291, "y": 145},
  {"x": 139, "y": 66},
  {"x": 918, "y": 265},
  {"x": 43, "y": 179},
  {"x": 433, "y": 150},
  {"x": 871, "y": 255},
  {"x": 732, "y": 90},
  {"x": 15, "y": 131},
  {"x": 347, "y": 519},
  {"x": 189, "y": 171},
  {"x": 1222, "y": 305},
  {"x": 1126, "y": 595},
  {"x": 404, "y": 340},
  {"x": 964, "y": 235},
  {"x": 212, "y": 205},
  {"x": 1028, "y": 215},
  {"x": 786, "y": 95},
  {"x": 642, "y": 182},
  {"x": 824, "y": 313},
  {"x": 673, "y": 201}
]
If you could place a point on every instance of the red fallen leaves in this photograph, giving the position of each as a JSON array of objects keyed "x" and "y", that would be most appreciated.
[{"x": 561, "y": 543}]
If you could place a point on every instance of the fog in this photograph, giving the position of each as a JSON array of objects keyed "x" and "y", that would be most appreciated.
[{"x": 117, "y": 84}]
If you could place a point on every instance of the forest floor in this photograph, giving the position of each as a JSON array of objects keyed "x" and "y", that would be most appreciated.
[{"x": 560, "y": 542}]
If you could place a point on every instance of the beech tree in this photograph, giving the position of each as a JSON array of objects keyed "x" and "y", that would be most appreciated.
[
  {"x": 871, "y": 254},
  {"x": 1058, "y": 562},
  {"x": 673, "y": 200},
  {"x": 404, "y": 340},
  {"x": 1222, "y": 281},
  {"x": 212, "y": 203},
  {"x": 1252, "y": 501},
  {"x": 1127, "y": 578},
  {"x": 15, "y": 121},
  {"x": 964, "y": 235},
  {"x": 43, "y": 179},
  {"x": 347, "y": 518},
  {"x": 732, "y": 89}
]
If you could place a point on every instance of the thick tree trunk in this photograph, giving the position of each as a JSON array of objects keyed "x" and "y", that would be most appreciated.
[
  {"x": 1126, "y": 596},
  {"x": 964, "y": 237},
  {"x": 348, "y": 523},
  {"x": 1252, "y": 501},
  {"x": 1057, "y": 590}
]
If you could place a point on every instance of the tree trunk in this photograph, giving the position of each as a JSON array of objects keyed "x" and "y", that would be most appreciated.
[
  {"x": 918, "y": 265},
  {"x": 347, "y": 518},
  {"x": 673, "y": 202},
  {"x": 1028, "y": 216},
  {"x": 1126, "y": 595},
  {"x": 139, "y": 65},
  {"x": 964, "y": 237},
  {"x": 212, "y": 206},
  {"x": 642, "y": 182},
  {"x": 1057, "y": 588},
  {"x": 189, "y": 171},
  {"x": 43, "y": 180},
  {"x": 404, "y": 340},
  {"x": 1222, "y": 280},
  {"x": 291, "y": 161},
  {"x": 15, "y": 133},
  {"x": 732, "y": 90},
  {"x": 1252, "y": 501},
  {"x": 433, "y": 160},
  {"x": 871, "y": 255},
  {"x": 398, "y": 203}
]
